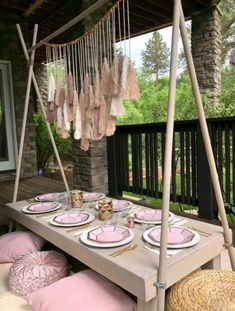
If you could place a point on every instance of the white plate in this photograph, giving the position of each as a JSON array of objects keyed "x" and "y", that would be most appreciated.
[
  {"x": 194, "y": 241},
  {"x": 99, "y": 197},
  {"x": 55, "y": 223},
  {"x": 27, "y": 211},
  {"x": 84, "y": 238},
  {"x": 50, "y": 197},
  {"x": 129, "y": 205},
  {"x": 155, "y": 222}
]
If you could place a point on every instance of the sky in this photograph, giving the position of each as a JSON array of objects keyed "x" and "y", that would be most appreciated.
[{"x": 138, "y": 44}]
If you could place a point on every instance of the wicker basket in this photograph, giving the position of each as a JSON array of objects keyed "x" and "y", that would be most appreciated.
[{"x": 204, "y": 290}]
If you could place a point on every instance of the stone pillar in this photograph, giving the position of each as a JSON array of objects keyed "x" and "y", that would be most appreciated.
[
  {"x": 91, "y": 168},
  {"x": 206, "y": 50}
]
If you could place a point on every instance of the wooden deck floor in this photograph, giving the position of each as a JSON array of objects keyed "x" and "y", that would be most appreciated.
[{"x": 29, "y": 188}]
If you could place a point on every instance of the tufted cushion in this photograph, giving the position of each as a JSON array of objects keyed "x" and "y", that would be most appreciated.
[
  {"x": 9, "y": 301},
  {"x": 16, "y": 244},
  {"x": 4, "y": 273},
  {"x": 36, "y": 270},
  {"x": 85, "y": 291}
]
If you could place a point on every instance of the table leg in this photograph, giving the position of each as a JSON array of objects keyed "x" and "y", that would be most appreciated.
[
  {"x": 214, "y": 263},
  {"x": 147, "y": 305}
]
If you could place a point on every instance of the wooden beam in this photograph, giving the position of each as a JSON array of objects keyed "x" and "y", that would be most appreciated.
[
  {"x": 13, "y": 4},
  {"x": 74, "y": 21},
  {"x": 150, "y": 12},
  {"x": 33, "y": 7}
]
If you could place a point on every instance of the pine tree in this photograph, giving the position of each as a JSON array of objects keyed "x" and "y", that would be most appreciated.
[{"x": 156, "y": 55}]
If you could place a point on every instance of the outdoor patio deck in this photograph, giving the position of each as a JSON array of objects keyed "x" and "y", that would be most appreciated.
[{"x": 29, "y": 188}]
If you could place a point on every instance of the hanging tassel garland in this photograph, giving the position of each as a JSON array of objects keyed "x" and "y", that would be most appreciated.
[{"x": 91, "y": 67}]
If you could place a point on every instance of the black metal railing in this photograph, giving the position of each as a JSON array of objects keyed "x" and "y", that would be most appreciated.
[{"x": 136, "y": 162}]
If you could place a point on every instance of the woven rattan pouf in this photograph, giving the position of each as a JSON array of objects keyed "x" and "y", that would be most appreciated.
[{"x": 204, "y": 290}]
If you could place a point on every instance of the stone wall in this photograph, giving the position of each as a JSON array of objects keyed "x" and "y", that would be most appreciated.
[
  {"x": 206, "y": 50},
  {"x": 11, "y": 50}
]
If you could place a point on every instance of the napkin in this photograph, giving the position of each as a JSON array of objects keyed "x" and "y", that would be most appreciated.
[
  {"x": 40, "y": 207},
  {"x": 120, "y": 204},
  {"x": 149, "y": 215},
  {"x": 91, "y": 196},
  {"x": 71, "y": 218}
]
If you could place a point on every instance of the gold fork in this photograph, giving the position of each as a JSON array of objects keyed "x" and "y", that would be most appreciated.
[
  {"x": 126, "y": 249},
  {"x": 47, "y": 215},
  {"x": 202, "y": 233}
]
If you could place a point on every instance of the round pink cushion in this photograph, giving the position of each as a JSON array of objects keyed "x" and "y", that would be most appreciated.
[{"x": 36, "y": 270}]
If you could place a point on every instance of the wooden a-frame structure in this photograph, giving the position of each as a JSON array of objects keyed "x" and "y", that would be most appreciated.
[{"x": 178, "y": 26}]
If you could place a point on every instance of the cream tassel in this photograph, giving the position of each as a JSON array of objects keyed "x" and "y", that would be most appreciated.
[
  {"x": 78, "y": 124},
  {"x": 51, "y": 89}
]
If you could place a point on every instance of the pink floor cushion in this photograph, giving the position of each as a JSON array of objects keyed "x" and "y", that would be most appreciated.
[
  {"x": 85, "y": 291},
  {"x": 16, "y": 244},
  {"x": 37, "y": 270}
]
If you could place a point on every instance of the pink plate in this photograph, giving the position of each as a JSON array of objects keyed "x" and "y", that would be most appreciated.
[
  {"x": 42, "y": 207},
  {"x": 176, "y": 235},
  {"x": 92, "y": 196},
  {"x": 71, "y": 218},
  {"x": 109, "y": 234},
  {"x": 120, "y": 205},
  {"x": 149, "y": 215}
]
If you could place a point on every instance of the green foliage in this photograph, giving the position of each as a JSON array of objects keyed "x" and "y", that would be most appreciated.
[
  {"x": 227, "y": 100},
  {"x": 152, "y": 104},
  {"x": 43, "y": 144},
  {"x": 156, "y": 55},
  {"x": 227, "y": 27}
]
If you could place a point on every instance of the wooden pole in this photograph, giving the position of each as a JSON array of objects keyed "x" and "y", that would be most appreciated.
[
  {"x": 71, "y": 23},
  {"x": 26, "y": 106},
  {"x": 168, "y": 158},
  {"x": 207, "y": 142},
  {"x": 43, "y": 111}
]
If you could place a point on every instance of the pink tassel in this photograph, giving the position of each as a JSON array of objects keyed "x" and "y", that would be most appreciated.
[
  {"x": 85, "y": 144},
  {"x": 50, "y": 114},
  {"x": 70, "y": 89},
  {"x": 125, "y": 65},
  {"x": 86, "y": 85},
  {"x": 106, "y": 79},
  {"x": 116, "y": 77},
  {"x": 111, "y": 126},
  {"x": 59, "y": 118},
  {"x": 61, "y": 97},
  {"x": 95, "y": 124},
  {"x": 97, "y": 90},
  {"x": 65, "y": 112},
  {"x": 132, "y": 91},
  {"x": 103, "y": 116}
]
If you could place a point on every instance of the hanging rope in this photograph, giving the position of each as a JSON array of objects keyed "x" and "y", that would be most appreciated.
[{"x": 91, "y": 79}]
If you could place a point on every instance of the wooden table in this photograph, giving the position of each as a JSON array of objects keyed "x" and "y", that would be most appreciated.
[{"x": 135, "y": 271}]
